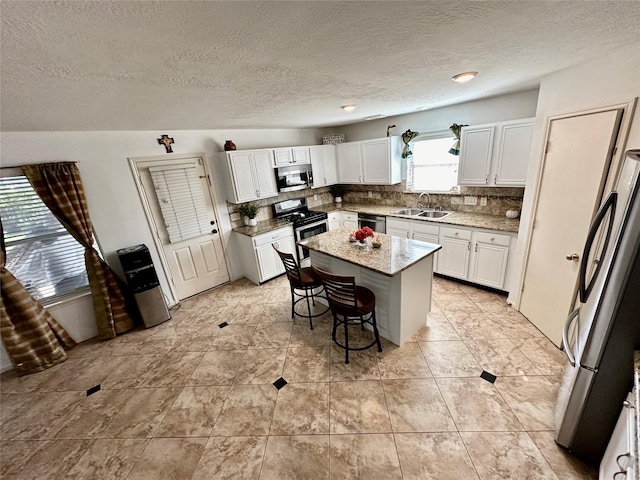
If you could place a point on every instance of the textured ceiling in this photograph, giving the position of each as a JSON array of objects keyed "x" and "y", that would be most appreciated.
[{"x": 147, "y": 65}]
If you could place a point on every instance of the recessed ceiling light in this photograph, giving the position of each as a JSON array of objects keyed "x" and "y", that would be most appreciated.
[
  {"x": 349, "y": 108},
  {"x": 464, "y": 77}
]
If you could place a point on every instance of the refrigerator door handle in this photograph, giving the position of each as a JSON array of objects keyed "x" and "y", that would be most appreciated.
[
  {"x": 565, "y": 336},
  {"x": 609, "y": 204}
]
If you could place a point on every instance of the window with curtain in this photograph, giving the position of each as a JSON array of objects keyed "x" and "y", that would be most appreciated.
[
  {"x": 41, "y": 254},
  {"x": 434, "y": 168}
]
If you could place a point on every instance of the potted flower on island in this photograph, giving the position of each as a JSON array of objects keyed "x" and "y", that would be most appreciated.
[
  {"x": 362, "y": 235},
  {"x": 249, "y": 211},
  {"x": 337, "y": 191}
]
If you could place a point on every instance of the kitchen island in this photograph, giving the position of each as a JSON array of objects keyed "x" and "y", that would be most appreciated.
[{"x": 400, "y": 274}]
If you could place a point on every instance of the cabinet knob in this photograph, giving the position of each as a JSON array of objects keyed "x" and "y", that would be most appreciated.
[
  {"x": 456, "y": 234},
  {"x": 492, "y": 239},
  {"x": 572, "y": 257}
]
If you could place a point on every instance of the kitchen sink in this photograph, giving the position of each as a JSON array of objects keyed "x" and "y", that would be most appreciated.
[
  {"x": 421, "y": 212},
  {"x": 409, "y": 211},
  {"x": 434, "y": 214}
]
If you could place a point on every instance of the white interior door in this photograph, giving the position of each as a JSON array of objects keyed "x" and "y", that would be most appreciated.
[
  {"x": 575, "y": 166},
  {"x": 181, "y": 213}
]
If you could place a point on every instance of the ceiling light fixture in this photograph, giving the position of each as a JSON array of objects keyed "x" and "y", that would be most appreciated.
[
  {"x": 349, "y": 108},
  {"x": 464, "y": 77}
]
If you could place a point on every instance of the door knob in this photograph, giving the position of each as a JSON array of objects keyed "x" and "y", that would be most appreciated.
[
  {"x": 573, "y": 256},
  {"x": 213, "y": 222}
]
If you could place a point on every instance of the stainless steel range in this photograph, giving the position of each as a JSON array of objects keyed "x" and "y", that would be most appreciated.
[{"x": 306, "y": 223}]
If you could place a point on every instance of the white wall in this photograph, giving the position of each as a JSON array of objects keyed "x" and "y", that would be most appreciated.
[
  {"x": 488, "y": 110},
  {"x": 115, "y": 207},
  {"x": 610, "y": 80}
]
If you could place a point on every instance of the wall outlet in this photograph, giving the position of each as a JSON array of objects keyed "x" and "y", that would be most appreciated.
[
  {"x": 469, "y": 200},
  {"x": 483, "y": 201},
  {"x": 370, "y": 194},
  {"x": 234, "y": 217}
]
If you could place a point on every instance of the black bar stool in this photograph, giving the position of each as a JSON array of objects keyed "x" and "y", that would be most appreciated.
[
  {"x": 350, "y": 301},
  {"x": 304, "y": 279}
]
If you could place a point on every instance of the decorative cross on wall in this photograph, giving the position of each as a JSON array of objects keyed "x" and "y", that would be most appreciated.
[{"x": 166, "y": 141}]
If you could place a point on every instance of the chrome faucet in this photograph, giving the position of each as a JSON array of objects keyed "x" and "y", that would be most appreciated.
[{"x": 420, "y": 198}]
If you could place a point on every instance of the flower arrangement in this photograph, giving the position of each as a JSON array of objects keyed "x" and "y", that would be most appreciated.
[{"x": 363, "y": 233}]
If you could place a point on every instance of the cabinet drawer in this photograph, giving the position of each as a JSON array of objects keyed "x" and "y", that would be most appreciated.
[
  {"x": 456, "y": 233},
  {"x": 333, "y": 216},
  {"x": 424, "y": 227},
  {"x": 397, "y": 223},
  {"x": 350, "y": 216},
  {"x": 270, "y": 237},
  {"x": 492, "y": 239}
]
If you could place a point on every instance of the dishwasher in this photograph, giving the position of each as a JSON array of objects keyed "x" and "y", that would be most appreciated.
[{"x": 377, "y": 223}]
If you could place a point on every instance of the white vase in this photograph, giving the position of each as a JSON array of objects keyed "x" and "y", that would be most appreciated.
[
  {"x": 250, "y": 222},
  {"x": 338, "y": 199}
]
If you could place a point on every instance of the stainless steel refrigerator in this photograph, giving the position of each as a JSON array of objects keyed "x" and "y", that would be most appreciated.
[{"x": 601, "y": 334}]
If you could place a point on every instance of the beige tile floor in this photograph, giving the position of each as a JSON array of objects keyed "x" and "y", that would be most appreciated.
[{"x": 190, "y": 400}]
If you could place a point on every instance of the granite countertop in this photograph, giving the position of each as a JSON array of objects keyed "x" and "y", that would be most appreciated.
[
  {"x": 264, "y": 226},
  {"x": 464, "y": 219},
  {"x": 395, "y": 255}
]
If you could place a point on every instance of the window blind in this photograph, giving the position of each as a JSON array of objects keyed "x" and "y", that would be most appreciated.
[
  {"x": 46, "y": 259},
  {"x": 181, "y": 200}
]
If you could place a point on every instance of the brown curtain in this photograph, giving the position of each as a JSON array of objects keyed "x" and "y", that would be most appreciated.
[
  {"x": 32, "y": 337},
  {"x": 59, "y": 186}
]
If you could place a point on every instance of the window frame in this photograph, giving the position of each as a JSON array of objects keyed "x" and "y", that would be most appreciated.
[
  {"x": 435, "y": 135},
  {"x": 55, "y": 299}
]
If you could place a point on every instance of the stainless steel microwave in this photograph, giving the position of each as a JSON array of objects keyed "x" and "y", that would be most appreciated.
[{"x": 294, "y": 177}]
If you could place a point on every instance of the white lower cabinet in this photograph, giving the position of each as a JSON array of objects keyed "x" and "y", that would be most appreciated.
[
  {"x": 489, "y": 259},
  {"x": 335, "y": 220},
  {"x": 475, "y": 255},
  {"x": 619, "y": 461},
  {"x": 260, "y": 261},
  {"x": 423, "y": 231},
  {"x": 339, "y": 219},
  {"x": 350, "y": 220},
  {"x": 455, "y": 253}
]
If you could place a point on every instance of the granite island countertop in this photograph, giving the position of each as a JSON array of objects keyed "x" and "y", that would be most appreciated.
[
  {"x": 395, "y": 255},
  {"x": 463, "y": 219}
]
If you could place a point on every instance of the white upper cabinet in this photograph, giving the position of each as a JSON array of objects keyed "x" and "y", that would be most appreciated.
[
  {"x": 475, "y": 155},
  {"x": 290, "y": 156},
  {"x": 323, "y": 165},
  {"x": 374, "y": 162},
  {"x": 513, "y": 152},
  {"x": 381, "y": 160},
  {"x": 349, "y": 158},
  {"x": 496, "y": 154},
  {"x": 250, "y": 175}
]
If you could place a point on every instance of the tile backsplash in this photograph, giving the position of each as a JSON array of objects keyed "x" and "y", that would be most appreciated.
[{"x": 498, "y": 199}]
